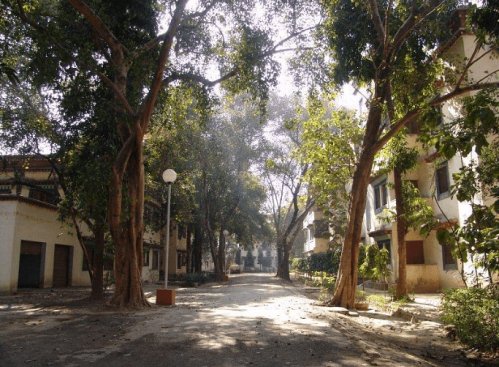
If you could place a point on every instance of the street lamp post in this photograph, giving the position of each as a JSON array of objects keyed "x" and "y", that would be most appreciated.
[{"x": 167, "y": 296}]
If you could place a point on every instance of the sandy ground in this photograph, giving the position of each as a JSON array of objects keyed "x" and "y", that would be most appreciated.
[{"x": 253, "y": 320}]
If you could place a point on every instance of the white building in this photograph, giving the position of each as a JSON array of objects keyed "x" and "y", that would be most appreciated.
[
  {"x": 37, "y": 250},
  {"x": 316, "y": 233},
  {"x": 430, "y": 266}
]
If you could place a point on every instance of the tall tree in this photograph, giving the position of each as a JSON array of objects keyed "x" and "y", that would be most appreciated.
[
  {"x": 389, "y": 46},
  {"x": 331, "y": 145},
  {"x": 229, "y": 197},
  {"x": 213, "y": 156},
  {"x": 284, "y": 174},
  {"x": 29, "y": 125},
  {"x": 114, "y": 43}
]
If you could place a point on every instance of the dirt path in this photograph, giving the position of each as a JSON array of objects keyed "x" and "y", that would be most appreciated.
[{"x": 253, "y": 320}]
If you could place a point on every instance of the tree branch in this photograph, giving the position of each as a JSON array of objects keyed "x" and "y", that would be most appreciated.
[
  {"x": 487, "y": 76},
  {"x": 436, "y": 101},
  {"x": 378, "y": 22},
  {"x": 192, "y": 77},
  {"x": 148, "y": 106},
  {"x": 409, "y": 24},
  {"x": 118, "y": 93},
  {"x": 98, "y": 26},
  {"x": 102, "y": 76},
  {"x": 468, "y": 65}
]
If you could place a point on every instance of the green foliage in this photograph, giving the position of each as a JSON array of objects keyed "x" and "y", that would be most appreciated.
[
  {"x": 326, "y": 262},
  {"x": 356, "y": 47},
  {"x": 418, "y": 212},
  {"x": 380, "y": 301},
  {"x": 367, "y": 261},
  {"x": 475, "y": 314},
  {"x": 475, "y": 132},
  {"x": 257, "y": 73},
  {"x": 331, "y": 144},
  {"x": 375, "y": 263},
  {"x": 396, "y": 154},
  {"x": 484, "y": 21},
  {"x": 192, "y": 279},
  {"x": 300, "y": 264},
  {"x": 323, "y": 280}
]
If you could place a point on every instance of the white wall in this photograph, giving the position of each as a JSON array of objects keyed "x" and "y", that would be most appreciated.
[
  {"x": 29, "y": 222},
  {"x": 7, "y": 235}
]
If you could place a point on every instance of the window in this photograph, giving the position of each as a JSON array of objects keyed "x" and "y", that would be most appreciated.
[
  {"x": 442, "y": 181},
  {"x": 448, "y": 261},
  {"x": 45, "y": 193},
  {"x": 309, "y": 233},
  {"x": 380, "y": 195},
  {"x": 181, "y": 259},
  {"x": 5, "y": 189},
  {"x": 146, "y": 257}
]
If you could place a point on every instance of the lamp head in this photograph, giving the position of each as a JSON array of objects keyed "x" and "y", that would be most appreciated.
[{"x": 169, "y": 176}]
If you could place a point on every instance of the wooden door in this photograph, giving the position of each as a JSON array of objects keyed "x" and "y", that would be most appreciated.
[
  {"x": 30, "y": 265},
  {"x": 61, "y": 273}
]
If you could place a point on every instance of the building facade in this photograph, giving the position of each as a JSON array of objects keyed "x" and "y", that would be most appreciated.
[
  {"x": 38, "y": 250},
  {"x": 430, "y": 266},
  {"x": 316, "y": 232}
]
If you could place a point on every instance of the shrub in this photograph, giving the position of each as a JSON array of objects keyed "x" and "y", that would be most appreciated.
[
  {"x": 192, "y": 279},
  {"x": 475, "y": 314},
  {"x": 379, "y": 301},
  {"x": 328, "y": 262},
  {"x": 300, "y": 264}
]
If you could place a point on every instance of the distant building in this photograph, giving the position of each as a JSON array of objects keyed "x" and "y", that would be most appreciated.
[{"x": 316, "y": 232}]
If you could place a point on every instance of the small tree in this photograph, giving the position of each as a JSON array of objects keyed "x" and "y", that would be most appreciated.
[{"x": 249, "y": 260}]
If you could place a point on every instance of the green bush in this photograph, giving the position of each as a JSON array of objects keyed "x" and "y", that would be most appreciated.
[
  {"x": 300, "y": 264},
  {"x": 328, "y": 262},
  {"x": 192, "y": 279},
  {"x": 475, "y": 314}
]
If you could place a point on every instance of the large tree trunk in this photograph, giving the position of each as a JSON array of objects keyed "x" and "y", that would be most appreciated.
[
  {"x": 128, "y": 235},
  {"x": 215, "y": 248},
  {"x": 197, "y": 250},
  {"x": 283, "y": 264},
  {"x": 401, "y": 290},
  {"x": 346, "y": 282},
  {"x": 98, "y": 265},
  {"x": 188, "y": 239},
  {"x": 221, "y": 255}
]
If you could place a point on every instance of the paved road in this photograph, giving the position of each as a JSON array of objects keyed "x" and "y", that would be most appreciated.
[{"x": 252, "y": 320}]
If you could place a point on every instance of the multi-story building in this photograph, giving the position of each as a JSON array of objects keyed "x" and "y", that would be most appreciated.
[
  {"x": 430, "y": 266},
  {"x": 38, "y": 250},
  {"x": 316, "y": 232}
]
